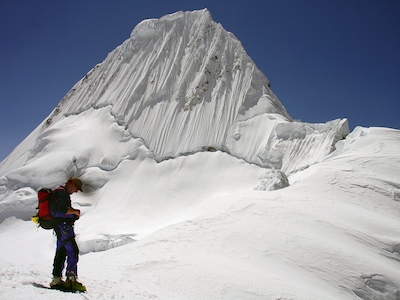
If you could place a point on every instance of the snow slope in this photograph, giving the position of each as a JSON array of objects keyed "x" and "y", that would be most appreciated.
[
  {"x": 187, "y": 190},
  {"x": 194, "y": 228}
]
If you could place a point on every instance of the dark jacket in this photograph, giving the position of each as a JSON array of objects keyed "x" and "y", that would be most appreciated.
[{"x": 59, "y": 204}]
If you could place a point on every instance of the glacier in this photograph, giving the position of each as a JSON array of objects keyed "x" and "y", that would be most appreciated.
[{"x": 200, "y": 185}]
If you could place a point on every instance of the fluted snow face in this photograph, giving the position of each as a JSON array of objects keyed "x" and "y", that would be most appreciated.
[{"x": 181, "y": 83}]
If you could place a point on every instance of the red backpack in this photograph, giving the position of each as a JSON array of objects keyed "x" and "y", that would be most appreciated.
[{"x": 44, "y": 215}]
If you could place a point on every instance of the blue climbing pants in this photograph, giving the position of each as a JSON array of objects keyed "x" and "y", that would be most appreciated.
[{"x": 67, "y": 249}]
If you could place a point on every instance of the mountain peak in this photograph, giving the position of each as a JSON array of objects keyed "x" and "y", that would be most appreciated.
[
  {"x": 182, "y": 84},
  {"x": 184, "y": 67},
  {"x": 148, "y": 26}
]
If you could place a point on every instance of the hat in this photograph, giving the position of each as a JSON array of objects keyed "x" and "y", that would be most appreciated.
[{"x": 77, "y": 182}]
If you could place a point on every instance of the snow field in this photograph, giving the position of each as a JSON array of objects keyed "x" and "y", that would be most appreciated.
[{"x": 324, "y": 237}]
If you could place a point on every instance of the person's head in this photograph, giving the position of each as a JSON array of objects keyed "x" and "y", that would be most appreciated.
[{"x": 73, "y": 185}]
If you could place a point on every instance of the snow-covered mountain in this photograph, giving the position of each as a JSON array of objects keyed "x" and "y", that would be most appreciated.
[
  {"x": 182, "y": 84},
  {"x": 212, "y": 191}
]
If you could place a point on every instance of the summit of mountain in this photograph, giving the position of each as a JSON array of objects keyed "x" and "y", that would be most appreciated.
[{"x": 183, "y": 84}]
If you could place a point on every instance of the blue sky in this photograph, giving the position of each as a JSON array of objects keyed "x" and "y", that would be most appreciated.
[{"x": 325, "y": 59}]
